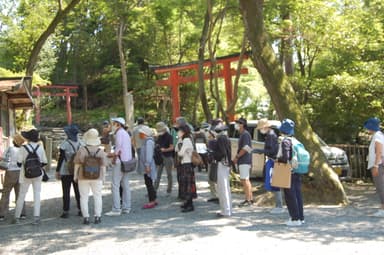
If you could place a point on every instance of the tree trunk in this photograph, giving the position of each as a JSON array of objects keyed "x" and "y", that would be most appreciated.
[
  {"x": 324, "y": 185},
  {"x": 127, "y": 97},
  {"x": 203, "y": 40},
  {"x": 60, "y": 15}
]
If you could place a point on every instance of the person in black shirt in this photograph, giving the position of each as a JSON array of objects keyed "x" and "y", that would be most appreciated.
[{"x": 165, "y": 142}]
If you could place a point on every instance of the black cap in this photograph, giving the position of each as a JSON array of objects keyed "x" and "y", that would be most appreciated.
[
  {"x": 140, "y": 120},
  {"x": 242, "y": 121}
]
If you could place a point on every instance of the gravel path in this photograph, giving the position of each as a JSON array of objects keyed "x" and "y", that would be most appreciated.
[{"x": 164, "y": 230}]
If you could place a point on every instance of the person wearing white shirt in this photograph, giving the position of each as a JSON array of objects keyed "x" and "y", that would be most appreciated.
[{"x": 375, "y": 159}]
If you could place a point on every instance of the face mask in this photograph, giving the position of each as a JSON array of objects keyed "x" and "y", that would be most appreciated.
[
  {"x": 160, "y": 133},
  {"x": 263, "y": 131},
  {"x": 237, "y": 127}
]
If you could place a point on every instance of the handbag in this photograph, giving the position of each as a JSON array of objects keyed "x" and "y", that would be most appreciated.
[
  {"x": 196, "y": 159},
  {"x": 281, "y": 175},
  {"x": 4, "y": 165},
  {"x": 45, "y": 176},
  {"x": 128, "y": 166}
]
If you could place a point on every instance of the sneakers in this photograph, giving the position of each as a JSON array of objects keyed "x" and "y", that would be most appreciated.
[
  {"x": 293, "y": 223},
  {"x": 97, "y": 220},
  {"x": 15, "y": 221},
  {"x": 2, "y": 218},
  {"x": 379, "y": 213},
  {"x": 64, "y": 215},
  {"x": 219, "y": 215},
  {"x": 23, "y": 217},
  {"x": 189, "y": 208},
  {"x": 277, "y": 210},
  {"x": 86, "y": 221},
  {"x": 36, "y": 221},
  {"x": 149, "y": 206},
  {"x": 126, "y": 211},
  {"x": 213, "y": 200},
  {"x": 113, "y": 213},
  {"x": 245, "y": 203}
]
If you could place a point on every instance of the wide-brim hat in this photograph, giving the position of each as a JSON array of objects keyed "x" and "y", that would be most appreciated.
[
  {"x": 119, "y": 120},
  {"x": 263, "y": 123},
  {"x": 91, "y": 137},
  {"x": 161, "y": 127},
  {"x": 31, "y": 135},
  {"x": 18, "y": 139},
  {"x": 287, "y": 127},
  {"x": 146, "y": 131},
  {"x": 372, "y": 124}
]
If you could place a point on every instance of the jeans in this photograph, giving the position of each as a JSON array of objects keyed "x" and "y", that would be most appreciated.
[
  {"x": 11, "y": 181},
  {"x": 96, "y": 186},
  {"x": 150, "y": 189},
  {"x": 168, "y": 165},
  {"x": 118, "y": 178},
  {"x": 66, "y": 181},
  {"x": 278, "y": 198},
  {"x": 24, "y": 186},
  {"x": 294, "y": 199},
  {"x": 224, "y": 189}
]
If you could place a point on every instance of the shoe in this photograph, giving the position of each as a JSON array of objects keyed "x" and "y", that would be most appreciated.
[
  {"x": 79, "y": 213},
  {"x": 2, "y": 218},
  {"x": 302, "y": 222},
  {"x": 379, "y": 213},
  {"x": 293, "y": 223},
  {"x": 36, "y": 221},
  {"x": 219, "y": 215},
  {"x": 188, "y": 209},
  {"x": 65, "y": 215},
  {"x": 86, "y": 221},
  {"x": 149, "y": 206},
  {"x": 15, "y": 221},
  {"x": 97, "y": 220},
  {"x": 277, "y": 210},
  {"x": 113, "y": 213},
  {"x": 23, "y": 217},
  {"x": 126, "y": 211},
  {"x": 245, "y": 203},
  {"x": 213, "y": 200}
]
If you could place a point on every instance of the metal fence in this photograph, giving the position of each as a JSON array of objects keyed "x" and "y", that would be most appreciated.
[{"x": 357, "y": 155}]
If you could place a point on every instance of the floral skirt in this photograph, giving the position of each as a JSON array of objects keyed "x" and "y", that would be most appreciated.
[{"x": 187, "y": 183}]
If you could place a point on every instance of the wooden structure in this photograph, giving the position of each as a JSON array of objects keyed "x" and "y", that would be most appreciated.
[
  {"x": 174, "y": 78},
  {"x": 65, "y": 90}
]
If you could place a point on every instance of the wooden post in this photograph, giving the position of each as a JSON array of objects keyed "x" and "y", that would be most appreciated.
[
  {"x": 48, "y": 151},
  {"x": 228, "y": 86},
  {"x": 68, "y": 101},
  {"x": 38, "y": 110}
]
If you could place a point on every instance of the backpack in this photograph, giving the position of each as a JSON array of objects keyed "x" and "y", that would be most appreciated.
[
  {"x": 70, "y": 162},
  {"x": 91, "y": 165},
  {"x": 32, "y": 164},
  {"x": 157, "y": 155},
  {"x": 301, "y": 158}
]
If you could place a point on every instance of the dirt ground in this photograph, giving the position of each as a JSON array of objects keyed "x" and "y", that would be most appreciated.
[{"x": 164, "y": 230}]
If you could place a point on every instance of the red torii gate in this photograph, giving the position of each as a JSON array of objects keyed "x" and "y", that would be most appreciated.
[
  {"x": 66, "y": 92},
  {"x": 175, "y": 79}
]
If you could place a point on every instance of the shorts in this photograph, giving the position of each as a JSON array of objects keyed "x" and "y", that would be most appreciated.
[{"x": 244, "y": 170}]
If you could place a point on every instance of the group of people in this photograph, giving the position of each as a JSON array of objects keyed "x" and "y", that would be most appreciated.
[{"x": 82, "y": 164}]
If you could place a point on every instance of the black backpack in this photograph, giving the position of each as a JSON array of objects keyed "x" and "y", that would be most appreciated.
[
  {"x": 158, "y": 155},
  {"x": 32, "y": 164}
]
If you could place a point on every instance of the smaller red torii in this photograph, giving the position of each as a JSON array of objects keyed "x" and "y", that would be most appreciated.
[
  {"x": 175, "y": 79},
  {"x": 67, "y": 93}
]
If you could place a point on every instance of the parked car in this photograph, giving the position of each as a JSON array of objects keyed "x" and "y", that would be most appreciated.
[{"x": 336, "y": 157}]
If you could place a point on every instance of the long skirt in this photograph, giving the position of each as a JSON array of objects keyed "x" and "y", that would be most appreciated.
[{"x": 187, "y": 183}]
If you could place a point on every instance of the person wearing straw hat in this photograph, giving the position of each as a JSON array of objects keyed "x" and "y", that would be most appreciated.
[
  {"x": 12, "y": 174},
  {"x": 147, "y": 164},
  {"x": 165, "y": 142},
  {"x": 32, "y": 136},
  {"x": 122, "y": 152},
  {"x": 375, "y": 159},
  {"x": 65, "y": 168},
  {"x": 92, "y": 147},
  {"x": 271, "y": 147}
]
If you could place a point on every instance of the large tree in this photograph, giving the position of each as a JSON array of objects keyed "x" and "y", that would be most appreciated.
[{"x": 324, "y": 184}]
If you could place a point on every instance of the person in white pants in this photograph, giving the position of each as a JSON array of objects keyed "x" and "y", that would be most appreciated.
[
  {"x": 92, "y": 141},
  {"x": 222, "y": 154},
  {"x": 32, "y": 137}
]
